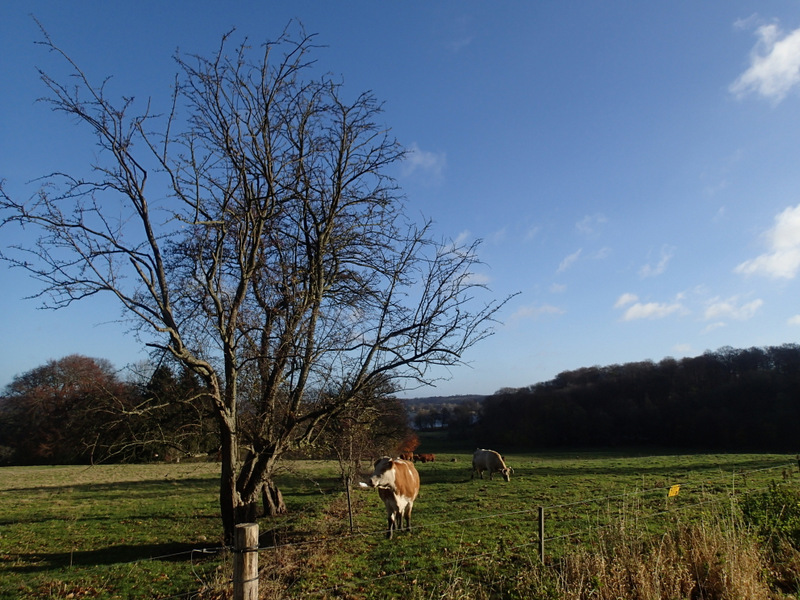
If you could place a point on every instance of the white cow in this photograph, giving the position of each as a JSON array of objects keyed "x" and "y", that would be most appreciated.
[
  {"x": 489, "y": 460},
  {"x": 398, "y": 485}
]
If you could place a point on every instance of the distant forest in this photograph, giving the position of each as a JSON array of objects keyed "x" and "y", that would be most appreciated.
[{"x": 728, "y": 400}]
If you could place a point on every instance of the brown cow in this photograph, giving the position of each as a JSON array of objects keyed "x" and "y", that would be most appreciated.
[
  {"x": 398, "y": 485},
  {"x": 424, "y": 458}
]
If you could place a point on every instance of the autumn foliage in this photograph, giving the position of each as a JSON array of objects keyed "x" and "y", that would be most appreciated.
[{"x": 58, "y": 412}]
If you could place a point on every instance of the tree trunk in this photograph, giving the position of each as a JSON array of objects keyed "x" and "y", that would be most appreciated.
[
  {"x": 229, "y": 499},
  {"x": 272, "y": 499},
  {"x": 240, "y": 503}
]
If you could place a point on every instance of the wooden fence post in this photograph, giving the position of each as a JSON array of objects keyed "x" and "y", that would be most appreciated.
[
  {"x": 245, "y": 562},
  {"x": 541, "y": 533}
]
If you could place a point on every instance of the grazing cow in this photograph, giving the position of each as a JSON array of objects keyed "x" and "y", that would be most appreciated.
[
  {"x": 398, "y": 485},
  {"x": 407, "y": 455},
  {"x": 424, "y": 458},
  {"x": 489, "y": 460}
]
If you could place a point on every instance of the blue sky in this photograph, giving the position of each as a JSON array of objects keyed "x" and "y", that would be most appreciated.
[{"x": 631, "y": 167}]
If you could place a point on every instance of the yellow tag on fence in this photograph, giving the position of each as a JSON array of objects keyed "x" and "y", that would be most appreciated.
[{"x": 674, "y": 490}]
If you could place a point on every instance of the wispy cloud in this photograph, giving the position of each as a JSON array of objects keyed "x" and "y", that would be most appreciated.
[
  {"x": 591, "y": 224},
  {"x": 461, "y": 35},
  {"x": 532, "y": 232},
  {"x": 419, "y": 161},
  {"x": 713, "y": 327},
  {"x": 499, "y": 236},
  {"x": 652, "y": 270},
  {"x": 457, "y": 45},
  {"x": 602, "y": 253},
  {"x": 626, "y": 299},
  {"x": 459, "y": 242},
  {"x": 795, "y": 320},
  {"x": 533, "y": 311},
  {"x": 637, "y": 310},
  {"x": 774, "y": 65},
  {"x": 463, "y": 237},
  {"x": 783, "y": 259},
  {"x": 569, "y": 261},
  {"x": 731, "y": 308},
  {"x": 478, "y": 279}
]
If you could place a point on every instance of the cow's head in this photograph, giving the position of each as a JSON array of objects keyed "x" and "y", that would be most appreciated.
[
  {"x": 506, "y": 473},
  {"x": 383, "y": 473}
]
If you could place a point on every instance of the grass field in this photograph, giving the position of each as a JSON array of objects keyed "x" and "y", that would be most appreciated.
[{"x": 153, "y": 531}]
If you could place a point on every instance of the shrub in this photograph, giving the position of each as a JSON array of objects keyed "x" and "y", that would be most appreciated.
[{"x": 774, "y": 513}]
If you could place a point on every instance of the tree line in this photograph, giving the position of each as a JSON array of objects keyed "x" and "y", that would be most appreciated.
[
  {"x": 729, "y": 399},
  {"x": 78, "y": 410}
]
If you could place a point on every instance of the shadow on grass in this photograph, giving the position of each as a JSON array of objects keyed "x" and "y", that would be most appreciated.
[
  {"x": 145, "y": 487},
  {"x": 122, "y": 554}
]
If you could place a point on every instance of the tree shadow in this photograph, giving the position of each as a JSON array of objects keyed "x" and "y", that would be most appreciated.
[
  {"x": 146, "y": 487},
  {"x": 35, "y": 562}
]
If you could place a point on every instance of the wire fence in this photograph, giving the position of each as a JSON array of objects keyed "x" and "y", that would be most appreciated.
[
  {"x": 705, "y": 493},
  {"x": 575, "y": 522}
]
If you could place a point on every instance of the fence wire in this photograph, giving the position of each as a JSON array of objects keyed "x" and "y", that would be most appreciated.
[{"x": 587, "y": 530}]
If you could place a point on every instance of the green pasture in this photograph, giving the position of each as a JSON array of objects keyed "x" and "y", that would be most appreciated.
[{"x": 153, "y": 531}]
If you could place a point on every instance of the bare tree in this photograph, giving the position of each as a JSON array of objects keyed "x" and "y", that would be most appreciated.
[{"x": 252, "y": 232}]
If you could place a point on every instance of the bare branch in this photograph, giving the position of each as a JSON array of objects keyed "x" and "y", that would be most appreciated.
[{"x": 276, "y": 261}]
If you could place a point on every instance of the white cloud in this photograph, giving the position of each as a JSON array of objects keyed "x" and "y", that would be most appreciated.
[
  {"x": 682, "y": 348},
  {"x": 774, "y": 65},
  {"x": 602, "y": 254},
  {"x": 591, "y": 223},
  {"x": 651, "y": 310},
  {"x": 713, "y": 326},
  {"x": 795, "y": 320},
  {"x": 534, "y": 312},
  {"x": 558, "y": 288},
  {"x": 626, "y": 299},
  {"x": 532, "y": 232},
  {"x": 457, "y": 45},
  {"x": 499, "y": 236},
  {"x": 647, "y": 310},
  {"x": 781, "y": 264},
  {"x": 732, "y": 309},
  {"x": 478, "y": 279},
  {"x": 569, "y": 261},
  {"x": 650, "y": 270},
  {"x": 418, "y": 161},
  {"x": 461, "y": 240},
  {"x": 462, "y": 237},
  {"x": 783, "y": 259}
]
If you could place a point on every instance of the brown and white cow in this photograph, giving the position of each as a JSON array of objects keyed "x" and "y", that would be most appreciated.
[
  {"x": 398, "y": 485},
  {"x": 489, "y": 460}
]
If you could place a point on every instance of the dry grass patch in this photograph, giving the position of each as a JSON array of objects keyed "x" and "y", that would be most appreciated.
[{"x": 714, "y": 559}]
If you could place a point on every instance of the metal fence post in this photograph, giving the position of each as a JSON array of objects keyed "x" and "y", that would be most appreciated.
[{"x": 245, "y": 562}]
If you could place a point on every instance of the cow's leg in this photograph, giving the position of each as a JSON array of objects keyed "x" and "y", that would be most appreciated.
[
  {"x": 391, "y": 527},
  {"x": 409, "y": 506}
]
